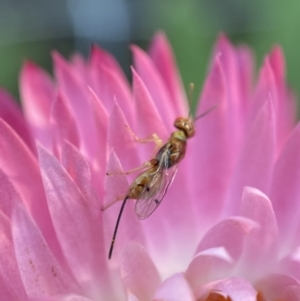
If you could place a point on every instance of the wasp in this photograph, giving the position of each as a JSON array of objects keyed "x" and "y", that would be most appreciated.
[{"x": 150, "y": 186}]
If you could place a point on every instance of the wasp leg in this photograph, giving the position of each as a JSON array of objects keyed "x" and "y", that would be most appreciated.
[
  {"x": 145, "y": 165},
  {"x": 118, "y": 198},
  {"x": 152, "y": 138}
]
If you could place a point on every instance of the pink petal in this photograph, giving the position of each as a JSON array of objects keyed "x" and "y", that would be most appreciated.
[
  {"x": 40, "y": 272},
  {"x": 148, "y": 119},
  {"x": 290, "y": 265},
  {"x": 175, "y": 288},
  {"x": 256, "y": 160},
  {"x": 21, "y": 167},
  {"x": 138, "y": 272},
  {"x": 121, "y": 139},
  {"x": 109, "y": 80},
  {"x": 230, "y": 234},
  {"x": 7, "y": 293},
  {"x": 212, "y": 148},
  {"x": 73, "y": 87},
  {"x": 8, "y": 195},
  {"x": 292, "y": 293},
  {"x": 208, "y": 265},
  {"x": 238, "y": 289},
  {"x": 37, "y": 94},
  {"x": 285, "y": 191},
  {"x": 77, "y": 228},
  {"x": 155, "y": 85},
  {"x": 162, "y": 56},
  {"x": 9, "y": 270},
  {"x": 274, "y": 285},
  {"x": 256, "y": 206},
  {"x": 11, "y": 113},
  {"x": 63, "y": 124}
]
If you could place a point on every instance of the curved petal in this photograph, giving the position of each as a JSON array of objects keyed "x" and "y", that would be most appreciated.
[
  {"x": 175, "y": 288},
  {"x": 163, "y": 59},
  {"x": 77, "y": 228},
  {"x": 37, "y": 93},
  {"x": 155, "y": 85},
  {"x": 138, "y": 272},
  {"x": 21, "y": 167},
  {"x": 255, "y": 163},
  {"x": 285, "y": 192},
  {"x": 235, "y": 288},
  {"x": 40, "y": 272},
  {"x": 209, "y": 265},
  {"x": 230, "y": 234},
  {"x": 256, "y": 206}
]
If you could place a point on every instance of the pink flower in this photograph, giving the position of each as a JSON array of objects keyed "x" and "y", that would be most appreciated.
[{"x": 229, "y": 226}]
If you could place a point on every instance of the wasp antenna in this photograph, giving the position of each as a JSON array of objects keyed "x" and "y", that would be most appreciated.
[
  {"x": 116, "y": 228},
  {"x": 205, "y": 113},
  {"x": 190, "y": 97}
]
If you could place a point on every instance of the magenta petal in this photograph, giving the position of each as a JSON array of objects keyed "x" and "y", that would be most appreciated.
[
  {"x": 230, "y": 234},
  {"x": 76, "y": 226},
  {"x": 8, "y": 195},
  {"x": 40, "y": 272},
  {"x": 75, "y": 92},
  {"x": 273, "y": 286},
  {"x": 138, "y": 272},
  {"x": 163, "y": 58},
  {"x": 63, "y": 124},
  {"x": 238, "y": 289},
  {"x": 8, "y": 294},
  {"x": 292, "y": 293},
  {"x": 11, "y": 113},
  {"x": 37, "y": 93},
  {"x": 212, "y": 148},
  {"x": 155, "y": 85},
  {"x": 256, "y": 160},
  {"x": 175, "y": 288},
  {"x": 21, "y": 167},
  {"x": 285, "y": 191},
  {"x": 209, "y": 265},
  {"x": 256, "y": 206},
  {"x": 9, "y": 270},
  {"x": 121, "y": 139}
]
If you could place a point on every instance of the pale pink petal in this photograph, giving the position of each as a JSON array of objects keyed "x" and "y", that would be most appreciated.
[
  {"x": 255, "y": 162},
  {"x": 9, "y": 270},
  {"x": 155, "y": 85},
  {"x": 209, "y": 265},
  {"x": 76, "y": 226},
  {"x": 63, "y": 123},
  {"x": 76, "y": 94},
  {"x": 147, "y": 116},
  {"x": 238, "y": 289},
  {"x": 101, "y": 123},
  {"x": 40, "y": 272},
  {"x": 37, "y": 93},
  {"x": 290, "y": 265},
  {"x": 69, "y": 297},
  {"x": 18, "y": 163},
  {"x": 121, "y": 139},
  {"x": 8, "y": 195},
  {"x": 11, "y": 113},
  {"x": 256, "y": 206},
  {"x": 272, "y": 286},
  {"x": 285, "y": 191},
  {"x": 109, "y": 82},
  {"x": 229, "y": 233},
  {"x": 211, "y": 149},
  {"x": 175, "y": 288},
  {"x": 138, "y": 272},
  {"x": 292, "y": 293},
  {"x": 162, "y": 56}
]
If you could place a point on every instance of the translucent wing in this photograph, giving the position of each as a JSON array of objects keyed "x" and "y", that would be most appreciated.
[{"x": 155, "y": 190}]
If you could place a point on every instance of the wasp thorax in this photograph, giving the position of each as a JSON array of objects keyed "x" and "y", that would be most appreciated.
[{"x": 186, "y": 125}]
